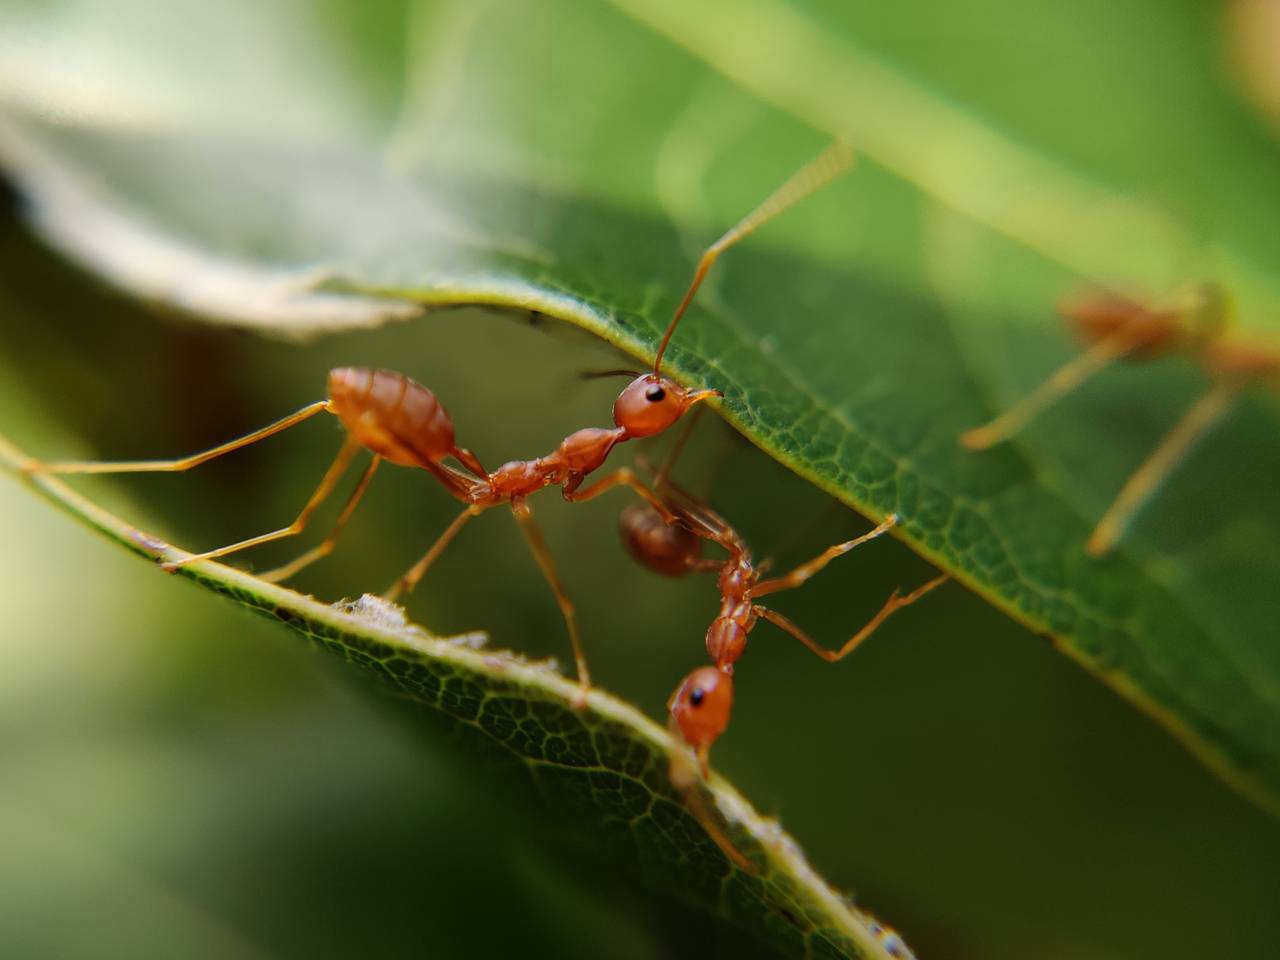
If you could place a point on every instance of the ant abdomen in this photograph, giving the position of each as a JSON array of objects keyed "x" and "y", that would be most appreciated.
[
  {"x": 395, "y": 417},
  {"x": 666, "y": 548}
]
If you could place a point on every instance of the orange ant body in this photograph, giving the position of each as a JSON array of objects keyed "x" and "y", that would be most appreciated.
[
  {"x": 670, "y": 542},
  {"x": 702, "y": 703},
  {"x": 1117, "y": 328},
  {"x": 402, "y": 422}
]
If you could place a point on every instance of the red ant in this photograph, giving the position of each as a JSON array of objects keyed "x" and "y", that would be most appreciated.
[
  {"x": 701, "y": 704},
  {"x": 1116, "y": 328},
  {"x": 402, "y": 422}
]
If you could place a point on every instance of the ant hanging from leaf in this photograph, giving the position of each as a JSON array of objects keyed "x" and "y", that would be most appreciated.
[
  {"x": 402, "y": 422},
  {"x": 1118, "y": 328},
  {"x": 701, "y": 704}
]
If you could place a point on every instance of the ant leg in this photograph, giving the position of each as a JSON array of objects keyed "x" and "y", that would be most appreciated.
[
  {"x": 325, "y": 547},
  {"x": 895, "y": 602},
  {"x": 623, "y": 477},
  {"x": 684, "y": 777},
  {"x": 806, "y": 570},
  {"x": 661, "y": 478},
  {"x": 350, "y": 447},
  {"x": 419, "y": 569},
  {"x": 520, "y": 509},
  {"x": 1062, "y": 381},
  {"x": 703, "y": 521},
  {"x": 471, "y": 462},
  {"x": 457, "y": 484},
  {"x": 690, "y": 511},
  {"x": 707, "y": 566},
  {"x": 819, "y": 171},
  {"x": 1177, "y": 443},
  {"x": 182, "y": 463}
]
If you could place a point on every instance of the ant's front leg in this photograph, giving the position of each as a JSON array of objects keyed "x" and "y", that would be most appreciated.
[
  {"x": 622, "y": 477},
  {"x": 806, "y": 570},
  {"x": 895, "y": 602}
]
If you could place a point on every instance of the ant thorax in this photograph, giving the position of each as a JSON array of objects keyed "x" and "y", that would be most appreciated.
[
  {"x": 736, "y": 579},
  {"x": 727, "y": 638}
]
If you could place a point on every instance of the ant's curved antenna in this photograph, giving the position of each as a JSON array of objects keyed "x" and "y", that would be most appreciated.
[
  {"x": 817, "y": 173},
  {"x": 601, "y": 374}
]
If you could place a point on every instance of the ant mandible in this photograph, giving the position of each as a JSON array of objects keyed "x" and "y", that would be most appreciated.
[
  {"x": 702, "y": 703},
  {"x": 1118, "y": 328},
  {"x": 402, "y": 422}
]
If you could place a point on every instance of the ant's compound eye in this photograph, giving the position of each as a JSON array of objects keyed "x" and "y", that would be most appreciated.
[
  {"x": 649, "y": 405},
  {"x": 697, "y": 695}
]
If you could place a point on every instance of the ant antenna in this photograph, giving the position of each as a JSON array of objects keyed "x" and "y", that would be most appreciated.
[
  {"x": 817, "y": 173},
  {"x": 661, "y": 479},
  {"x": 1212, "y": 406},
  {"x": 601, "y": 374}
]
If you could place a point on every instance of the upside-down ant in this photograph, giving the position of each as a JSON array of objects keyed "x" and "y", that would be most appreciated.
[
  {"x": 1118, "y": 328},
  {"x": 402, "y": 422},
  {"x": 701, "y": 704},
  {"x": 700, "y": 707}
]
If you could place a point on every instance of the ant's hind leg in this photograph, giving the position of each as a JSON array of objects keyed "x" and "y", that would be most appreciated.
[
  {"x": 538, "y": 545},
  {"x": 622, "y": 477},
  {"x": 1059, "y": 383},
  {"x": 1212, "y": 406},
  {"x": 471, "y": 462},
  {"x": 325, "y": 547},
  {"x": 419, "y": 569},
  {"x": 806, "y": 570},
  {"x": 182, "y": 463},
  {"x": 350, "y": 447},
  {"x": 894, "y": 603}
]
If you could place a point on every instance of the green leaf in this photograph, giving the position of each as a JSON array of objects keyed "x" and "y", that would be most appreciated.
[
  {"x": 402, "y": 162},
  {"x": 606, "y": 763}
]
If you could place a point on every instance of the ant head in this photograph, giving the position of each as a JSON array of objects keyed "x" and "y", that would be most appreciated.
[
  {"x": 700, "y": 707},
  {"x": 651, "y": 403}
]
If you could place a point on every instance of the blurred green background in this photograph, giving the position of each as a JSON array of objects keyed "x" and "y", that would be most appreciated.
[
  {"x": 175, "y": 771},
  {"x": 176, "y": 768}
]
